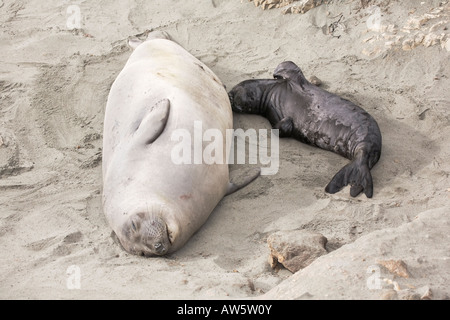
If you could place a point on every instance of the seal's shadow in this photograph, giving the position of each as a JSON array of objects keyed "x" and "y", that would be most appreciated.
[{"x": 405, "y": 151}]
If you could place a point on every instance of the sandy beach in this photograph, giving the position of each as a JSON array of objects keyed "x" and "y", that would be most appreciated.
[{"x": 58, "y": 61}]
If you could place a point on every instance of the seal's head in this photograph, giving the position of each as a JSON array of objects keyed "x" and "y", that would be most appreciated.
[
  {"x": 145, "y": 234},
  {"x": 289, "y": 70},
  {"x": 247, "y": 97}
]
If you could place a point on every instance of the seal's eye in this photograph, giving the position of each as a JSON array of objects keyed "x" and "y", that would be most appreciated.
[
  {"x": 157, "y": 245},
  {"x": 133, "y": 226}
]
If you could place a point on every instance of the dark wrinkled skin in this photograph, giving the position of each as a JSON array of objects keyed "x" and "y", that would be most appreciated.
[{"x": 317, "y": 117}]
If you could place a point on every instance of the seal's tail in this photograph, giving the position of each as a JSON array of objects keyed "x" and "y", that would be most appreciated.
[{"x": 357, "y": 174}]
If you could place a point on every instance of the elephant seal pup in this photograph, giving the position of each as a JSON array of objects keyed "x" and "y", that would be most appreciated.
[
  {"x": 153, "y": 204},
  {"x": 315, "y": 116}
]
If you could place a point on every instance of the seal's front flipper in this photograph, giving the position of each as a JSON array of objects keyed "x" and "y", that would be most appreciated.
[
  {"x": 153, "y": 123},
  {"x": 240, "y": 179},
  {"x": 357, "y": 174},
  {"x": 285, "y": 125}
]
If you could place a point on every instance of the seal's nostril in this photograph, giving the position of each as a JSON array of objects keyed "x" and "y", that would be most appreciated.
[{"x": 160, "y": 248}]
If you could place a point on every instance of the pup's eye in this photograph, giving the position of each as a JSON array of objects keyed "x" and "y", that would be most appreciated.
[{"x": 133, "y": 226}]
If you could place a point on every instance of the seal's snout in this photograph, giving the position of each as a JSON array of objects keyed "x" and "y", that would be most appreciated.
[
  {"x": 160, "y": 248},
  {"x": 146, "y": 235},
  {"x": 155, "y": 235},
  {"x": 157, "y": 249}
]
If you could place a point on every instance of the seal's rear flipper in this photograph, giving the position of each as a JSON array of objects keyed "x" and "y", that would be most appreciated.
[
  {"x": 357, "y": 174},
  {"x": 135, "y": 41},
  {"x": 153, "y": 123},
  {"x": 240, "y": 180}
]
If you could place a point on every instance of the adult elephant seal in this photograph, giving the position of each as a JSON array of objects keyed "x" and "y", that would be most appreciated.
[
  {"x": 153, "y": 204},
  {"x": 312, "y": 115}
]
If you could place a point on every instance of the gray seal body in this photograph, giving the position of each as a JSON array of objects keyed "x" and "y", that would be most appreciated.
[{"x": 315, "y": 116}]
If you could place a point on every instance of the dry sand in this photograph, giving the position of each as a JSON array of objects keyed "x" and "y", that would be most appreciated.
[{"x": 390, "y": 58}]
